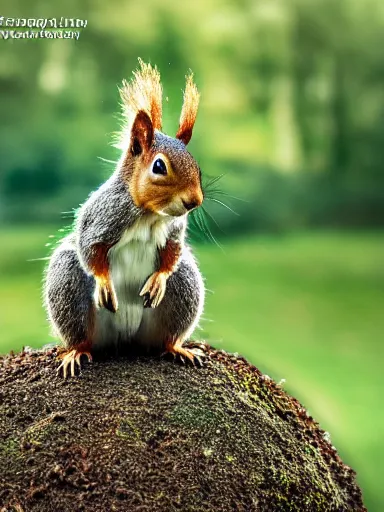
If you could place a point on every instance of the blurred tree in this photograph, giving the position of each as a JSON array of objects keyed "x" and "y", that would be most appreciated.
[{"x": 290, "y": 86}]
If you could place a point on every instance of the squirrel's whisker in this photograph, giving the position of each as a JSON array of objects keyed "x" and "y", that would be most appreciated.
[
  {"x": 106, "y": 160},
  {"x": 222, "y": 204},
  {"x": 212, "y": 181},
  {"x": 206, "y": 212},
  {"x": 194, "y": 226},
  {"x": 197, "y": 220},
  {"x": 207, "y": 230},
  {"x": 222, "y": 193}
]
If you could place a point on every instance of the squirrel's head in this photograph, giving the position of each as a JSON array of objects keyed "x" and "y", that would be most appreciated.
[{"x": 162, "y": 176}]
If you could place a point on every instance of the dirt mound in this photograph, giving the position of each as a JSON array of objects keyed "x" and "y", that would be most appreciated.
[{"x": 147, "y": 434}]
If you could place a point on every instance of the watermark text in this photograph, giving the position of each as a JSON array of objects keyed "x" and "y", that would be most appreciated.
[
  {"x": 39, "y": 34},
  {"x": 43, "y": 22}
]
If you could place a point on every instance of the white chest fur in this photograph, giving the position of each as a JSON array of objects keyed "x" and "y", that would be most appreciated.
[{"x": 132, "y": 260}]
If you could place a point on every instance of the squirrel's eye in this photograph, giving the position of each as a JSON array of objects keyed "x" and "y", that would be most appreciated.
[{"x": 159, "y": 167}]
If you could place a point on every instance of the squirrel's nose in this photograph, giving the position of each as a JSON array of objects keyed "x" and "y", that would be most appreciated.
[{"x": 190, "y": 205}]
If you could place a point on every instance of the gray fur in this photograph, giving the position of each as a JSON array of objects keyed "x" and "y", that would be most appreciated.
[
  {"x": 68, "y": 294},
  {"x": 109, "y": 216},
  {"x": 181, "y": 307},
  {"x": 104, "y": 217}
]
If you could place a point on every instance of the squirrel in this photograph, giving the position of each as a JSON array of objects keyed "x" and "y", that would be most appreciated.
[{"x": 126, "y": 274}]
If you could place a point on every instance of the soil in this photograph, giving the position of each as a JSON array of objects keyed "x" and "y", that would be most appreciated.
[{"x": 151, "y": 434}]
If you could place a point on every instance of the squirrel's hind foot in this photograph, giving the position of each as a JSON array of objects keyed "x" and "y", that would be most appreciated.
[
  {"x": 71, "y": 359},
  {"x": 194, "y": 355}
]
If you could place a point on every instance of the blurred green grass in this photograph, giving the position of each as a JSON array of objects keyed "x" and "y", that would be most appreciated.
[{"x": 307, "y": 308}]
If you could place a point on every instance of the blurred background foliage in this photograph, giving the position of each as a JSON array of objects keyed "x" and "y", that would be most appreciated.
[
  {"x": 292, "y": 113},
  {"x": 292, "y": 104}
]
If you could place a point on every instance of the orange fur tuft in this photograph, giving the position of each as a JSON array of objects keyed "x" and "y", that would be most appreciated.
[
  {"x": 145, "y": 93},
  {"x": 169, "y": 256},
  {"x": 189, "y": 110}
]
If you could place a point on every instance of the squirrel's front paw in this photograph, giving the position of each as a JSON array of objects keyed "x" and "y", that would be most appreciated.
[
  {"x": 154, "y": 289},
  {"x": 106, "y": 296}
]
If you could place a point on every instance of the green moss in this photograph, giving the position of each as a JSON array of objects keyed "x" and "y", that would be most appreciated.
[
  {"x": 41, "y": 431},
  {"x": 127, "y": 430},
  {"x": 10, "y": 447},
  {"x": 284, "y": 480},
  {"x": 194, "y": 411},
  {"x": 316, "y": 501},
  {"x": 285, "y": 504},
  {"x": 207, "y": 452}
]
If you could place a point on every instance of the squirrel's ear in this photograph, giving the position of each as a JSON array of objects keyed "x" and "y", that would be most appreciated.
[
  {"x": 188, "y": 111},
  {"x": 141, "y": 133}
]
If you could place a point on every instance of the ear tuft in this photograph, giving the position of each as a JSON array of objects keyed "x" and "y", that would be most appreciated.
[
  {"x": 143, "y": 92},
  {"x": 188, "y": 111},
  {"x": 141, "y": 133}
]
